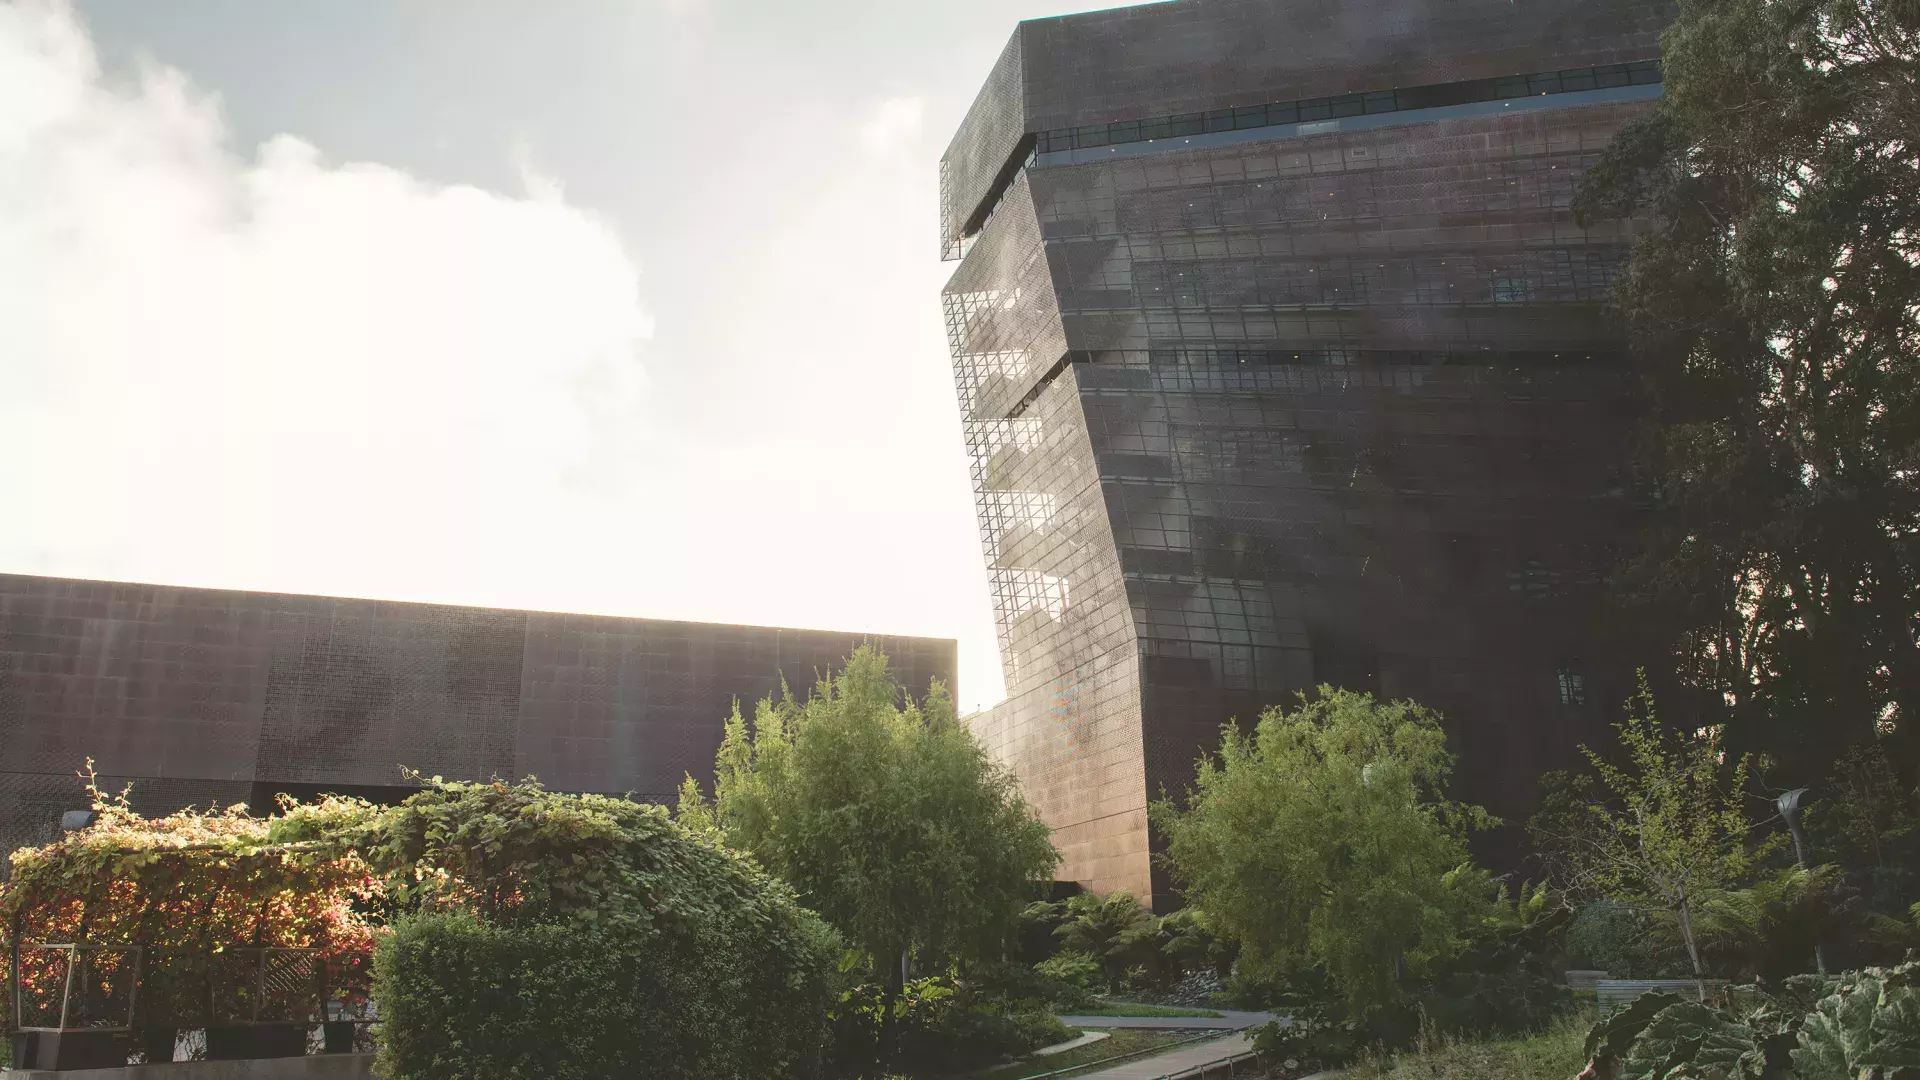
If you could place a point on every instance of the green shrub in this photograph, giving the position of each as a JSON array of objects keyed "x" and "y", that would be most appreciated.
[
  {"x": 1316, "y": 1036},
  {"x": 1507, "y": 980},
  {"x": 1118, "y": 932},
  {"x": 1073, "y": 968},
  {"x": 1034, "y": 927},
  {"x": 1255, "y": 991},
  {"x": 582, "y": 936},
  {"x": 1189, "y": 942},
  {"x": 1610, "y": 937},
  {"x": 964, "y": 1039},
  {"x": 1553, "y": 1054},
  {"x": 1012, "y": 987},
  {"x": 933, "y": 1027},
  {"x": 464, "y": 999}
]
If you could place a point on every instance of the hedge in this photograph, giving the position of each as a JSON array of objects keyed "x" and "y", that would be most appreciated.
[{"x": 567, "y": 937}]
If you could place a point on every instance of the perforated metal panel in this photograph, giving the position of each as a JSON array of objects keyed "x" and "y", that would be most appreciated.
[
  {"x": 359, "y": 689},
  {"x": 977, "y": 157},
  {"x": 202, "y": 696},
  {"x": 1336, "y": 407}
]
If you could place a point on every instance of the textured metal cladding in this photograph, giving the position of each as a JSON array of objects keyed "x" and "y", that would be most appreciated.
[
  {"x": 1003, "y": 321},
  {"x": 978, "y": 154},
  {"x": 203, "y": 695},
  {"x": 1339, "y": 408},
  {"x": 1070, "y": 727},
  {"x": 1362, "y": 421},
  {"x": 1157, "y": 59},
  {"x": 360, "y": 688}
]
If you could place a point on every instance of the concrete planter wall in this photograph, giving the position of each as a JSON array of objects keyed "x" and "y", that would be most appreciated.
[{"x": 318, "y": 1067}]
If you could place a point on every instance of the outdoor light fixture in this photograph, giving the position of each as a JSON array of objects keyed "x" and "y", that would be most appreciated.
[
  {"x": 1788, "y": 803},
  {"x": 1789, "y": 806}
]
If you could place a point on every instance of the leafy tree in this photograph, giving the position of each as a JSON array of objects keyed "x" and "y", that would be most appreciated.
[
  {"x": 1324, "y": 838},
  {"x": 889, "y": 818},
  {"x": 1774, "y": 310},
  {"x": 1867, "y": 816},
  {"x": 1674, "y": 831}
]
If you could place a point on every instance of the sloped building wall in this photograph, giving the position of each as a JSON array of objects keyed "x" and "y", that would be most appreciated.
[{"x": 1315, "y": 301}]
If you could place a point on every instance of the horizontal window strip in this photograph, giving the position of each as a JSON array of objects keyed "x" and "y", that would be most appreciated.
[{"x": 1439, "y": 95}]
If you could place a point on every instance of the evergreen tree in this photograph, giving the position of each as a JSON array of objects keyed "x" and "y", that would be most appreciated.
[{"x": 1774, "y": 310}]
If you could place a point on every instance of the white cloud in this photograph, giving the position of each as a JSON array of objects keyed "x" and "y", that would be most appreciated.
[
  {"x": 249, "y": 367},
  {"x": 269, "y": 359},
  {"x": 894, "y": 126}
]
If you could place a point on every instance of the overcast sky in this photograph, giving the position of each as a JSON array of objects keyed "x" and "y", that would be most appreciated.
[{"x": 626, "y": 306}]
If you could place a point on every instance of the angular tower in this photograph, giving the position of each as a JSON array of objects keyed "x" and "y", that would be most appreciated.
[{"x": 1283, "y": 362}]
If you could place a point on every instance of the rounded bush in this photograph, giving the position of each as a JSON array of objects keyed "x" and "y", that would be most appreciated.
[{"x": 577, "y": 937}]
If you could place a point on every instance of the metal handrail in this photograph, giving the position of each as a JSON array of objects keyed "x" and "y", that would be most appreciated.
[{"x": 1199, "y": 1072}]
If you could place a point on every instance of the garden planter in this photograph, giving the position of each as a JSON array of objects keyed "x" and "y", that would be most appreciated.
[
  {"x": 157, "y": 1042},
  {"x": 242, "y": 1041},
  {"x": 71, "y": 1049},
  {"x": 338, "y": 1036}
]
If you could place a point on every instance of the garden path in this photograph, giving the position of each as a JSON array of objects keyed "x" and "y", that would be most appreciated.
[
  {"x": 1230, "y": 1021},
  {"x": 1173, "y": 1061}
]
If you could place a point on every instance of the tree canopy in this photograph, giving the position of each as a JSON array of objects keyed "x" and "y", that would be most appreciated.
[
  {"x": 1324, "y": 838},
  {"x": 886, "y": 815},
  {"x": 1774, "y": 309}
]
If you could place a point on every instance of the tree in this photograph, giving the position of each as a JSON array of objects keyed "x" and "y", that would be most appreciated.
[
  {"x": 888, "y": 818},
  {"x": 1325, "y": 838},
  {"x": 1774, "y": 311},
  {"x": 1675, "y": 831}
]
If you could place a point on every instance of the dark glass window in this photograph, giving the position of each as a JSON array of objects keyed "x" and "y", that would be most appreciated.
[
  {"x": 1573, "y": 687},
  {"x": 1373, "y": 103}
]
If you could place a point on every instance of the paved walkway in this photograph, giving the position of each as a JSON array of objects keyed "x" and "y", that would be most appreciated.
[
  {"x": 1085, "y": 1038},
  {"x": 1173, "y": 1061},
  {"x": 1227, "y": 1021}
]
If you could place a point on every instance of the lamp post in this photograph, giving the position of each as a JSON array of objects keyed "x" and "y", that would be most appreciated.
[{"x": 1789, "y": 806}]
